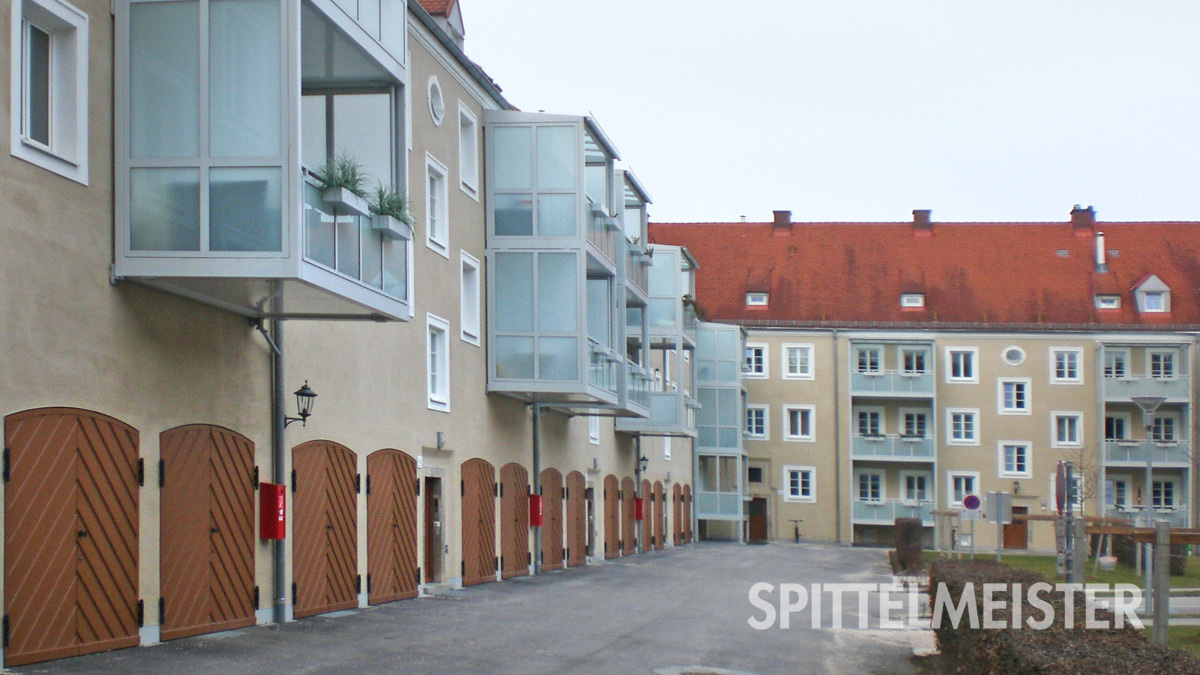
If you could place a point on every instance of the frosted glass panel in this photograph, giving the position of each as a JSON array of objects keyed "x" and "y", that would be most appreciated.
[
  {"x": 372, "y": 254},
  {"x": 558, "y": 300},
  {"x": 558, "y": 359},
  {"x": 244, "y": 210},
  {"x": 395, "y": 267},
  {"x": 663, "y": 272},
  {"x": 556, "y": 215},
  {"x": 633, "y": 222},
  {"x": 514, "y": 304},
  {"x": 312, "y": 131},
  {"x": 595, "y": 178},
  {"x": 164, "y": 210},
  {"x": 368, "y": 18},
  {"x": 729, "y": 410},
  {"x": 362, "y": 128},
  {"x": 662, "y": 312},
  {"x": 557, "y": 164},
  {"x": 706, "y": 437},
  {"x": 512, "y": 159},
  {"x": 347, "y": 245},
  {"x": 598, "y": 311},
  {"x": 318, "y": 227},
  {"x": 726, "y": 343},
  {"x": 727, "y": 371},
  {"x": 244, "y": 78},
  {"x": 164, "y": 79},
  {"x": 514, "y": 357},
  {"x": 514, "y": 214},
  {"x": 728, "y": 437}
]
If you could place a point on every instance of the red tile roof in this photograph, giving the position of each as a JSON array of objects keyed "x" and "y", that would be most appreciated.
[
  {"x": 438, "y": 7},
  {"x": 970, "y": 273}
]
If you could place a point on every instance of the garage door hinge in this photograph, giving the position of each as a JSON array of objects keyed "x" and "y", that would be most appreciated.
[
  {"x": 498, "y": 563},
  {"x": 6, "y": 469},
  {"x": 293, "y": 481},
  {"x": 368, "y": 488},
  {"x": 162, "y": 474},
  {"x": 464, "y": 567},
  {"x": 368, "y": 582},
  {"x": 6, "y": 616},
  {"x": 141, "y": 471},
  {"x": 620, "y": 494},
  {"x": 141, "y": 617},
  {"x": 358, "y": 582},
  {"x": 498, "y": 489},
  {"x": 162, "y": 610},
  {"x": 418, "y": 484},
  {"x": 293, "y": 592},
  {"x": 256, "y": 478},
  {"x": 256, "y": 598},
  {"x": 358, "y": 483},
  {"x": 418, "y": 576}
]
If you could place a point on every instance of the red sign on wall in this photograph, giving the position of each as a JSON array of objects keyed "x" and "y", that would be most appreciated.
[
  {"x": 272, "y": 511},
  {"x": 535, "y": 510}
]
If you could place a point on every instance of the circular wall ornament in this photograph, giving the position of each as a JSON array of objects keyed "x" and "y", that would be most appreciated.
[{"x": 1014, "y": 356}]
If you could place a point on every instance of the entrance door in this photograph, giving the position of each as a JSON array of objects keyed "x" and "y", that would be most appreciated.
[
  {"x": 576, "y": 524},
  {"x": 612, "y": 517},
  {"x": 206, "y": 553},
  {"x": 687, "y": 514},
  {"x": 1016, "y": 533},
  {"x": 391, "y": 526},
  {"x": 628, "y": 535},
  {"x": 479, "y": 522},
  {"x": 433, "y": 530},
  {"x": 676, "y": 515},
  {"x": 757, "y": 529},
  {"x": 70, "y": 534},
  {"x": 552, "y": 519},
  {"x": 325, "y": 528},
  {"x": 514, "y": 521}
]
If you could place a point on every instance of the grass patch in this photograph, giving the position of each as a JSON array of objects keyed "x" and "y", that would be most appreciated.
[
  {"x": 1186, "y": 638},
  {"x": 1047, "y": 565}
]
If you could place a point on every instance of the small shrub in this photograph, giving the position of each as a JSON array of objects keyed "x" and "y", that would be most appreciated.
[
  {"x": 908, "y": 545},
  {"x": 389, "y": 202},
  {"x": 342, "y": 171}
]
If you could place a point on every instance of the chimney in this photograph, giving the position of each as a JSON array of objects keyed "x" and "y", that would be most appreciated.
[
  {"x": 1101, "y": 264},
  {"x": 782, "y": 226},
  {"x": 922, "y": 222},
  {"x": 1083, "y": 221}
]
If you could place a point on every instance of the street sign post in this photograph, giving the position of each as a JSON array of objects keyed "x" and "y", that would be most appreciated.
[
  {"x": 999, "y": 511},
  {"x": 971, "y": 512}
]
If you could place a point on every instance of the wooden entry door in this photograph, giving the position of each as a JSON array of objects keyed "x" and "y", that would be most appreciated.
[
  {"x": 514, "y": 521},
  {"x": 392, "y": 572},
  {"x": 628, "y": 533},
  {"x": 1016, "y": 533},
  {"x": 612, "y": 517},
  {"x": 324, "y": 528},
  {"x": 687, "y": 514},
  {"x": 478, "y": 491},
  {"x": 70, "y": 534},
  {"x": 576, "y": 523},
  {"x": 552, "y": 519},
  {"x": 676, "y": 515},
  {"x": 757, "y": 529},
  {"x": 647, "y": 516},
  {"x": 434, "y": 543},
  {"x": 660, "y": 516},
  {"x": 206, "y": 552}
]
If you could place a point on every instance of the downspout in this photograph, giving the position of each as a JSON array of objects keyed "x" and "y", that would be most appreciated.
[
  {"x": 274, "y": 338},
  {"x": 637, "y": 489},
  {"x": 537, "y": 483},
  {"x": 837, "y": 440}
]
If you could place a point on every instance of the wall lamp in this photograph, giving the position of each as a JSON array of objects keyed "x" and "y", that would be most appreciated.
[
  {"x": 1016, "y": 487},
  {"x": 305, "y": 397},
  {"x": 642, "y": 462}
]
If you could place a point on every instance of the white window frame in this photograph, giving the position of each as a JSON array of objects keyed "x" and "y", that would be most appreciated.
[
  {"x": 1001, "y": 408},
  {"x": 1173, "y": 353},
  {"x": 468, "y": 152},
  {"x": 881, "y": 474},
  {"x": 1019, "y": 355},
  {"x": 1055, "y": 416},
  {"x": 757, "y": 299},
  {"x": 1002, "y": 459},
  {"x": 1127, "y": 481},
  {"x": 594, "y": 430},
  {"x": 67, "y": 152},
  {"x": 1054, "y": 353},
  {"x": 1174, "y": 493},
  {"x": 788, "y": 409},
  {"x": 912, "y": 300},
  {"x": 916, "y": 352},
  {"x": 811, "y": 497},
  {"x": 858, "y": 351},
  {"x": 437, "y": 100},
  {"x": 439, "y": 395},
  {"x": 857, "y": 428},
  {"x": 1079, "y": 481},
  {"x": 1176, "y": 429},
  {"x": 1116, "y": 354},
  {"x": 950, "y": 476},
  {"x": 766, "y": 417},
  {"x": 1108, "y": 302},
  {"x": 950, "y": 413},
  {"x": 470, "y": 305},
  {"x": 1159, "y": 305},
  {"x": 1125, "y": 417},
  {"x": 973, "y": 354},
  {"x": 748, "y": 370},
  {"x": 787, "y": 373},
  {"x": 902, "y": 422},
  {"x": 438, "y": 240},
  {"x": 904, "y": 496}
]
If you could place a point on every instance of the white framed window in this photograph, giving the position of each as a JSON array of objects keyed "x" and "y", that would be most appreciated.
[
  {"x": 914, "y": 423},
  {"x": 666, "y": 448},
  {"x": 962, "y": 426},
  {"x": 756, "y": 361},
  {"x": 1118, "y": 493},
  {"x": 914, "y": 487},
  {"x": 1165, "y": 428},
  {"x": 1013, "y": 355},
  {"x": 869, "y": 360},
  {"x": 870, "y": 486},
  {"x": 1163, "y": 494},
  {"x": 1015, "y": 459},
  {"x": 1078, "y": 482},
  {"x": 757, "y": 299},
  {"x": 912, "y": 300},
  {"x": 437, "y": 103},
  {"x": 960, "y": 364},
  {"x": 1014, "y": 396},
  {"x": 1114, "y": 362},
  {"x": 437, "y": 362},
  {"x": 756, "y": 421},
  {"x": 959, "y": 484},
  {"x": 469, "y": 298},
  {"x": 437, "y": 207},
  {"x": 870, "y": 421},
  {"x": 594, "y": 430},
  {"x": 799, "y": 484},
  {"x": 1160, "y": 364},
  {"x": 1066, "y": 430},
  {"x": 1117, "y": 426},
  {"x": 798, "y": 423},
  {"x": 1108, "y": 302},
  {"x": 49, "y": 86},
  {"x": 1154, "y": 301},
  {"x": 1066, "y": 364},
  {"x": 468, "y": 152},
  {"x": 797, "y": 361},
  {"x": 913, "y": 361}
]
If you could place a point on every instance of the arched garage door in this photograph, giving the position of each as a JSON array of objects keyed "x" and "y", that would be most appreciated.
[
  {"x": 514, "y": 521},
  {"x": 612, "y": 517},
  {"x": 325, "y": 528},
  {"x": 647, "y": 516},
  {"x": 660, "y": 516},
  {"x": 676, "y": 515},
  {"x": 687, "y": 514},
  {"x": 391, "y": 526},
  {"x": 479, "y": 522},
  {"x": 552, "y": 519},
  {"x": 576, "y": 524},
  {"x": 628, "y": 532}
]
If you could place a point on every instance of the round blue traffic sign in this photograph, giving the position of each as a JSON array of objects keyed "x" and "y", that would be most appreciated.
[{"x": 971, "y": 502}]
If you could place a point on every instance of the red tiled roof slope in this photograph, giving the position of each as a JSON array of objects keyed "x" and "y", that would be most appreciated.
[
  {"x": 437, "y": 7},
  {"x": 973, "y": 273}
]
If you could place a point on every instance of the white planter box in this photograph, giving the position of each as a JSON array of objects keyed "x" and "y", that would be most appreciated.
[
  {"x": 345, "y": 202},
  {"x": 391, "y": 227}
]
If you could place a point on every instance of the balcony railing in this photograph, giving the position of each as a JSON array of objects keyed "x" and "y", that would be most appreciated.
[
  {"x": 602, "y": 368},
  {"x": 1125, "y": 388},
  {"x": 637, "y": 380},
  {"x": 689, "y": 321},
  {"x": 892, "y": 383},
  {"x": 603, "y": 233},
  {"x": 886, "y": 512},
  {"x": 1176, "y": 515},
  {"x": 920, "y": 448},
  {"x": 669, "y": 416},
  {"x": 637, "y": 272},
  {"x": 1178, "y": 452},
  {"x": 718, "y": 505}
]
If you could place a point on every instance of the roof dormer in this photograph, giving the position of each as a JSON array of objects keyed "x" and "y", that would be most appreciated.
[{"x": 1153, "y": 296}]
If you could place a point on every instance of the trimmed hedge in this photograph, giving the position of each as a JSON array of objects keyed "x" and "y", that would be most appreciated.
[{"x": 1053, "y": 650}]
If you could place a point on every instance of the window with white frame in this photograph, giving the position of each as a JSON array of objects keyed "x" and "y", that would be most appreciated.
[
  {"x": 1119, "y": 495},
  {"x": 1154, "y": 301},
  {"x": 1116, "y": 427},
  {"x": 1114, "y": 362},
  {"x": 1162, "y": 365},
  {"x": 1067, "y": 367},
  {"x": 438, "y": 362},
  {"x": 959, "y": 485},
  {"x": 1163, "y": 494},
  {"x": 870, "y": 486},
  {"x": 960, "y": 364},
  {"x": 870, "y": 360},
  {"x": 594, "y": 430},
  {"x": 1164, "y": 428},
  {"x": 666, "y": 448},
  {"x": 798, "y": 362},
  {"x": 1013, "y": 356},
  {"x": 468, "y": 151},
  {"x": 437, "y": 103},
  {"x": 914, "y": 487},
  {"x": 470, "y": 304},
  {"x": 799, "y": 422},
  {"x": 913, "y": 361},
  {"x": 49, "y": 86},
  {"x": 1015, "y": 460},
  {"x": 962, "y": 426},
  {"x": 1078, "y": 482},
  {"x": 912, "y": 300},
  {"x": 870, "y": 422},
  {"x": 914, "y": 423},
  {"x": 437, "y": 209},
  {"x": 798, "y": 484},
  {"x": 1014, "y": 397},
  {"x": 757, "y": 299},
  {"x": 1068, "y": 429},
  {"x": 1108, "y": 302},
  {"x": 756, "y": 421},
  {"x": 756, "y": 361}
]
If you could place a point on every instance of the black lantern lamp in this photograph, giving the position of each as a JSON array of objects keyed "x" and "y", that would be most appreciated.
[
  {"x": 642, "y": 462},
  {"x": 305, "y": 397}
]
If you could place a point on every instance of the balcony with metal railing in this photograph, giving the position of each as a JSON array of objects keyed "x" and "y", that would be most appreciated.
[
  {"x": 1178, "y": 515},
  {"x": 886, "y": 512},
  {"x": 1122, "y": 389},
  {"x": 669, "y": 416},
  {"x": 1133, "y": 453},
  {"x": 893, "y": 447},
  {"x": 892, "y": 383}
]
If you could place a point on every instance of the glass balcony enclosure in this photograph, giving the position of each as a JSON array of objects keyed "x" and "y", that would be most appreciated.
[
  {"x": 719, "y": 486},
  {"x": 225, "y": 110},
  {"x": 902, "y": 370},
  {"x": 672, "y": 287}
]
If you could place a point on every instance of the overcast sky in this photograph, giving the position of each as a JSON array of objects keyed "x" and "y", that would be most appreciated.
[{"x": 849, "y": 110}]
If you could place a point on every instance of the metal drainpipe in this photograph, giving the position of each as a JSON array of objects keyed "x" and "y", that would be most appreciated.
[
  {"x": 837, "y": 440},
  {"x": 537, "y": 483},
  {"x": 637, "y": 489},
  {"x": 278, "y": 463}
]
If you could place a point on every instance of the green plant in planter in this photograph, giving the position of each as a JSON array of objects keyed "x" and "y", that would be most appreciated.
[
  {"x": 389, "y": 202},
  {"x": 342, "y": 171}
]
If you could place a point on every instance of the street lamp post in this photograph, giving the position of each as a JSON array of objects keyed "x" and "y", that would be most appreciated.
[{"x": 1148, "y": 404}]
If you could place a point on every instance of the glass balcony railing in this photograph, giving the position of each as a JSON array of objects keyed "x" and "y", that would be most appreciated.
[
  {"x": 637, "y": 274},
  {"x": 886, "y": 512},
  {"x": 638, "y": 381},
  {"x": 602, "y": 368},
  {"x": 718, "y": 505},
  {"x": 348, "y": 244},
  {"x": 669, "y": 416},
  {"x": 918, "y": 448},
  {"x": 1125, "y": 388},
  {"x": 603, "y": 233},
  {"x": 1176, "y": 515},
  {"x": 885, "y": 383},
  {"x": 689, "y": 321},
  {"x": 1135, "y": 451}
]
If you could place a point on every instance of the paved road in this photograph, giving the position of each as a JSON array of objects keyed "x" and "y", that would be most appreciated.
[{"x": 663, "y": 612}]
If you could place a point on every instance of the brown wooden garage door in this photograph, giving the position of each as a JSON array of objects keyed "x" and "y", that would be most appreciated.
[
  {"x": 552, "y": 519},
  {"x": 612, "y": 517},
  {"x": 676, "y": 515},
  {"x": 576, "y": 522},
  {"x": 70, "y": 535},
  {"x": 391, "y": 526},
  {"x": 206, "y": 553},
  {"x": 514, "y": 521},
  {"x": 325, "y": 528},
  {"x": 687, "y": 514},
  {"x": 647, "y": 516},
  {"x": 628, "y": 531},
  {"x": 478, "y": 491},
  {"x": 660, "y": 516}
]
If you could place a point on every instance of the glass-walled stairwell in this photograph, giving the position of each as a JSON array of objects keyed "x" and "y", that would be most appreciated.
[{"x": 720, "y": 459}]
